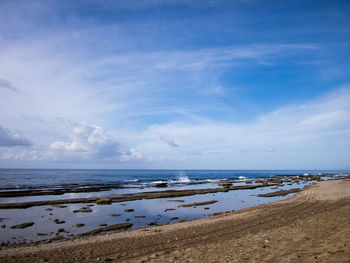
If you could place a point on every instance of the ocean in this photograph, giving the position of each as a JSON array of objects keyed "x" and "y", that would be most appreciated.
[{"x": 41, "y": 178}]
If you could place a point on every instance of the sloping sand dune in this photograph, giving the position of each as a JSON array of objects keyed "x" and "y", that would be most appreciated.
[{"x": 313, "y": 226}]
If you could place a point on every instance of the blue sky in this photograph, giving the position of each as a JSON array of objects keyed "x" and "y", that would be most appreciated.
[{"x": 242, "y": 84}]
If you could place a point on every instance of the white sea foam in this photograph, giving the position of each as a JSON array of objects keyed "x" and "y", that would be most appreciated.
[
  {"x": 182, "y": 179},
  {"x": 158, "y": 182},
  {"x": 131, "y": 180},
  {"x": 242, "y": 177},
  {"x": 214, "y": 180}
]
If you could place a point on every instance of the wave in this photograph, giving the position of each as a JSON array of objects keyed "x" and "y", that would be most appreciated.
[
  {"x": 182, "y": 179},
  {"x": 131, "y": 181}
]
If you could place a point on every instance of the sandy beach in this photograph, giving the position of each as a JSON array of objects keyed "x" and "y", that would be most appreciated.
[{"x": 313, "y": 226}]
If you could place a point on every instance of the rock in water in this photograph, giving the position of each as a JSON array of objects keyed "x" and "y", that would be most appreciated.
[
  {"x": 83, "y": 210},
  {"x": 199, "y": 203},
  {"x": 115, "y": 215},
  {"x": 104, "y": 201},
  {"x": 226, "y": 185},
  {"x": 21, "y": 226},
  {"x": 107, "y": 229},
  {"x": 161, "y": 185}
]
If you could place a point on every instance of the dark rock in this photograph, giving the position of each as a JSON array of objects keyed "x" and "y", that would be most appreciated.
[
  {"x": 216, "y": 214},
  {"x": 161, "y": 185},
  {"x": 248, "y": 181},
  {"x": 174, "y": 218},
  {"x": 129, "y": 210},
  {"x": 83, "y": 210},
  {"x": 258, "y": 181},
  {"x": 316, "y": 177},
  {"x": 127, "y": 219},
  {"x": 139, "y": 216},
  {"x": 48, "y": 209},
  {"x": 60, "y": 206},
  {"x": 199, "y": 203},
  {"x": 21, "y": 226},
  {"x": 41, "y": 234},
  {"x": 226, "y": 184},
  {"x": 102, "y": 224},
  {"x": 79, "y": 225},
  {"x": 104, "y": 201},
  {"x": 3, "y": 226},
  {"x": 275, "y": 180},
  {"x": 60, "y": 230},
  {"x": 169, "y": 209},
  {"x": 55, "y": 239},
  {"x": 107, "y": 229},
  {"x": 115, "y": 215},
  {"x": 152, "y": 224}
]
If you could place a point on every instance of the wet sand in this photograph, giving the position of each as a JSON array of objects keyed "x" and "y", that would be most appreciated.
[{"x": 313, "y": 226}]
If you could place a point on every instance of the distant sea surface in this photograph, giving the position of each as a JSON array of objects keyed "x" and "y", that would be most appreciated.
[{"x": 37, "y": 178}]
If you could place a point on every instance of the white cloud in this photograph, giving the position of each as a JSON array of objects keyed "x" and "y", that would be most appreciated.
[
  {"x": 302, "y": 136},
  {"x": 10, "y": 138},
  {"x": 84, "y": 140},
  {"x": 78, "y": 142},
  {"x": 133, "y": 154},
  {"x": 325, "y": 119}
]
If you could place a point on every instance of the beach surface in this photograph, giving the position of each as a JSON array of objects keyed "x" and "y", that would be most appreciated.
[{"x": 313, "y": 226}]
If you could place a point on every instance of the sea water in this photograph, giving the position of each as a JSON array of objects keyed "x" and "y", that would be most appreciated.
[{"x": 37, "y": 178}]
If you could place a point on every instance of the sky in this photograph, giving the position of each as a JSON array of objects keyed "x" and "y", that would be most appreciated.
[{"x": 175, "y": 84}]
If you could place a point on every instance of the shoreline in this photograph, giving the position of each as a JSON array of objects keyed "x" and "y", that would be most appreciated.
[
  {"x": 324, "y": 200},
  {"x": 34, "y": 222}
]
